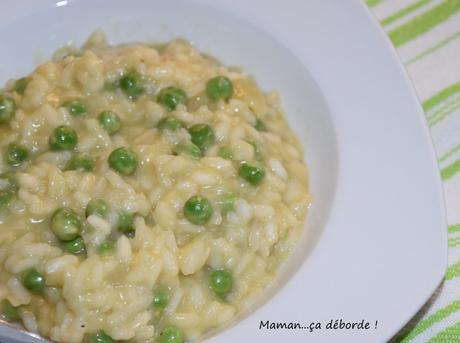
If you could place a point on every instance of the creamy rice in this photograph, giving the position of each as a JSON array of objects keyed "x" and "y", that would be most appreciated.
[{"x": 251, "y": 227}]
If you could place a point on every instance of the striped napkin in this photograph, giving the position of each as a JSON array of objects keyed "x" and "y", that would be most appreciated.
[{"x": 426, "y": 34}]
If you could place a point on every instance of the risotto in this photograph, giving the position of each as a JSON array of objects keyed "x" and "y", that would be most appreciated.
[{"x": 147, "y": 194}]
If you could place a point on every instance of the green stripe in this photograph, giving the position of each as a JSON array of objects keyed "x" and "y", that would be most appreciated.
[
  {"x": 434, "y": 48},
  {"x": 443, "y": 113},
  {"x": 404, "y": 12},
  {"x": 450, "y": 170},
  {"x": 439, "y": 112},
  {"x": 449, "y": 335},
  {"x": 453, "y": 228},
  {"x": 423, "y": 23},
  {"x": 372, "y": 3},
  {"x": 449, "y": 153},
  {"x": 441, "y": 96},
  {"x": 431, "y": 320},
  {"x": 453, "y": 271},
  {"x": 453, "y": 242}
]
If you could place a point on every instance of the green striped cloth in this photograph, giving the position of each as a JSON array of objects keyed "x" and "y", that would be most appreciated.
[{"x": 426, "y": 34}]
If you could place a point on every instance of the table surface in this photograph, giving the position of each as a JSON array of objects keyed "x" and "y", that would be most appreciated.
[{"x": 426, "y": 34}]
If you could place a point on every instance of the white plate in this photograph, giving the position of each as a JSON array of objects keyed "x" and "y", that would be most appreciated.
[{"x": 378, "y": 199}]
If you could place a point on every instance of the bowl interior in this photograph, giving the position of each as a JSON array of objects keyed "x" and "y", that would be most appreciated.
[{"x": 231, "y": 40}]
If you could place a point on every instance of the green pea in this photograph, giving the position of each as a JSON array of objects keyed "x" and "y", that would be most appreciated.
[
  {"x": 21, "y": 85},
  {"x": 259, "y": 125},
  {"x": 76, "y": 246},
  {"x": 198, "y": 210},
  {"x": 6, "y": 197},
  {"x": 160, "y": 298},
  {"x": 77, "y": 108},
  {"x": 123, "y": 160},
  {"x": 252, "y": 173},
  {"x": 9, "y": 311},
  {"x": 126, "y": 223},
  {"x": 228, "y": 202},
  {"x": 219, "y": 87},
  {"x": 225, "y": 152},
  {"x": 65, "y": 224},
  {"x": 110, "y": 122},
  {"x": 131, "y": 85},
  {"x": 80, "y": 163},
  {"x": 170, "y": 97},
  {"x": 105, "y": 248},
  {"x": 100, "y": 337},
  {"x": 7, "y": 108},
  {"x": 34, "y": 280},
  {"x": 202, "y": 135},
  {"x": 171, "y": 334},
  {"x": 15, "y": 154},
  {"x": 96, "y": 206},
  {"x": 220, "y": 282},
  {"x": 63, "y": 138},
  {"x": 8, "y": 182},
  {"x": 169, "y": 123},
  {"x": 189, "y": 149},
  {"x": 8, "y": 188}
]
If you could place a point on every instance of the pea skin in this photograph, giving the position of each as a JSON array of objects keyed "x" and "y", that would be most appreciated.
[
  {"x": 123, "y": 160},
  {"x": 96, "y": 206},
  {"x": 65, "y": 224},
  {"x": 76, "y": 246},
  {"x": 219, "y": 87},
  {"x": 160, "y": 298},
  {"x": 202, "y": 136},
  {"x": 63, "y": 138},
  {"x": 198, "y": 210},
  {"x": 100, "y": 337},
  {"x": 254, "y": 174},
  {"x": 131, "y": 85},
  {"x": 171, "y": 334},
  {"x": 80, "y": 163},
  {"x": 169, "y": 123},
  {"x": 220, "y": 282},
  {"x": 16, "y": 154},
  {"x": 110, "y": 122},
  {"x": 7, "y": 109},
  {"x": 33, "y": 280},
  {"x": 76, "y": 108},
  {"x": 171, "y": 97}
]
